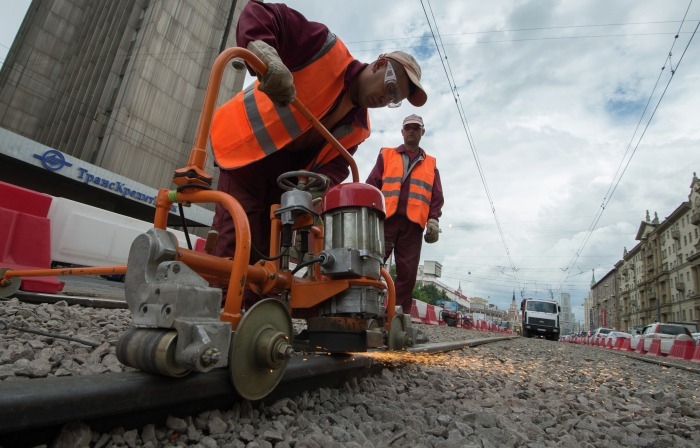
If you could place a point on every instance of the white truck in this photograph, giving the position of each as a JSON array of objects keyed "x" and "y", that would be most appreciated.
[{"x": 540, "y": 318}]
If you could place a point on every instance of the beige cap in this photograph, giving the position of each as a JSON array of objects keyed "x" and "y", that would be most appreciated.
[
  {"x": 413, "y": 119},
  {"x": 418, "y": 97}
]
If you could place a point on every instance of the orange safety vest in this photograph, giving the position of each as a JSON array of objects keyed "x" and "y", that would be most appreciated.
[
  {"x": 348, "y": 135},
  {"x": 420, "y": 178},
  {"x": 250, "y": 126}
]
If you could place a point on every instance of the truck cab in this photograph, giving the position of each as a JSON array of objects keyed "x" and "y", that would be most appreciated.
[{"x": 540, "y": 318}]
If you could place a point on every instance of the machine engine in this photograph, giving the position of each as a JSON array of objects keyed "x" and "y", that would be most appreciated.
[{"x": 353, "y": 218}]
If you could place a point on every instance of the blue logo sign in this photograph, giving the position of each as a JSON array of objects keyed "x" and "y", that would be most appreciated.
[{"x": 53, "y": 160}]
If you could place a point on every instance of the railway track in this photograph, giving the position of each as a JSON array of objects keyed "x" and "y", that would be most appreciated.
[{"x": 33, "y": 411}]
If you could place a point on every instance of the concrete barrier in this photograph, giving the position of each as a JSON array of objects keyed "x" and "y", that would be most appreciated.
[
  {"x": 682, "y": 349},
  {"x": 419, "y": 310},
  {"x": 90, "y": 236},
  {"x": 37, "y": 229},
  {"x": 626, "y": 345},
  {"x": 696, "y": 354},
  {"x": 641, "y": 348},
  {"x": 655, "y": 347},
  {"x": 431, "y": 316},
  {"x": 25, "y": 236}
]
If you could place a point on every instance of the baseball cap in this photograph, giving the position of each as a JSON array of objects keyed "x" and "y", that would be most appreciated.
[
  {"x": 413, "y": 119},
  {"x": 409, "y": 63}
]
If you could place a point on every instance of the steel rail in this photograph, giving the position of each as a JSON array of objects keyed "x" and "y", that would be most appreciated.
[
  {"x": 32, "y": 411},
  {"x": 91, "y": 302},
  {"x": 662, "y": 361}
]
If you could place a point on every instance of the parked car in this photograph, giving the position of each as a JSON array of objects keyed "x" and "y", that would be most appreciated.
[
  {"x": 691, "y": 326},
  {"x": 666, "y": 332},
  {"x": 613, "y": 336},
  {"x": 601, "y": 332}
]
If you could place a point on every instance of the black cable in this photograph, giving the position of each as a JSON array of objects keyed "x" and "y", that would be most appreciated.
[
  {"x": 184, "y": 225},
  {"x": 307, "y": 263},
  {"x": 265, "y": 257},
  {"x": 50, "y": 335},
  {"x": 182, "y": 211}
]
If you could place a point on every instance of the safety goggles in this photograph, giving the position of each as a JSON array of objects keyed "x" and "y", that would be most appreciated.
[{"x": 391, "y": 86}]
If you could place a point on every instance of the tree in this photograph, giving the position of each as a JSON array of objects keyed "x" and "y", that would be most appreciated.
[{"x": 429, "y": 293}]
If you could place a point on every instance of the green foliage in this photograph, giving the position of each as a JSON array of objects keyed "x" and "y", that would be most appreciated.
[
  {"x": 392, "y": 272},
  {"x": 429, "y": 293}
]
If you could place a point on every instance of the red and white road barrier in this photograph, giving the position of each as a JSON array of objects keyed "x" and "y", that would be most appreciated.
[{"x": 37, "y": 229}]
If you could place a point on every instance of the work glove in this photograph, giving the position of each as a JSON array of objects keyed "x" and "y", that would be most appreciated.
[
  {"x": 432, "y": 231},
  {"x": 319, "y": 187},
  {"x": 277, "y": 83}
]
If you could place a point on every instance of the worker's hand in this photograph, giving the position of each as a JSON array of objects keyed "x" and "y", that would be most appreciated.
[
  {"x": 277, "y": 83},
  {"x": 432, "y": 231}
]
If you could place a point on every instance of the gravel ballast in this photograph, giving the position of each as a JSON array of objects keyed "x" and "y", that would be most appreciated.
[{"x": 520, "y": 392}]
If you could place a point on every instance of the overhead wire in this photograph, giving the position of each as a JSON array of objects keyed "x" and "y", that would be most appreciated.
[
  {"x": 448, "y": 71},
  {"x": 622, "y": 167},
  {"x": 465, "y": 124},
  {"x": 517, "y": 30}
]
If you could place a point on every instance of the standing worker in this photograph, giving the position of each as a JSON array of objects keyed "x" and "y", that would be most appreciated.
[
  {"x": 256, "y": 136},
  {"x": 410, "y": 182}
]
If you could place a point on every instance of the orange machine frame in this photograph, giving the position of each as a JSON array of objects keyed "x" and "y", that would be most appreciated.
[{"x": 265, "y": 276}]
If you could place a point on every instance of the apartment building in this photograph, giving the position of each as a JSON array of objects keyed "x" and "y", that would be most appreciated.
[{"x": 659, "y": 278}]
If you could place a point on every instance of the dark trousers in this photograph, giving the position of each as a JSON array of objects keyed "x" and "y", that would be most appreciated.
[
  {"x": 404, "y": 238},
  {"x": 256, "y": 191}
]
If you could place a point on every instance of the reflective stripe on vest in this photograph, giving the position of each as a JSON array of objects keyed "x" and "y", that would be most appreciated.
[
  {"x": 348, "y": 135},
  {"x": 420, "y": 178},
  {"x": 249, "y": 126}
]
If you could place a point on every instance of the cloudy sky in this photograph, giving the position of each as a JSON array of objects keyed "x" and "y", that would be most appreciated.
[
  {"x": 540, "y": 116},
  {"x": 532, "y": 112}
]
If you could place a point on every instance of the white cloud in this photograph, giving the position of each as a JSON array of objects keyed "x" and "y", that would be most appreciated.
[{"x": 552, "y": 93}]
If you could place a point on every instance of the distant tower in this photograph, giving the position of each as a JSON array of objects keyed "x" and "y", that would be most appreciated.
[{"x": 513, "y": 311}]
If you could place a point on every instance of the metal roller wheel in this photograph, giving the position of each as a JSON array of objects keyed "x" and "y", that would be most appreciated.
[
  {"x": 397, "y": 339},
  {"x": 151, "y": 350},
  {"x": 373, "y": 325},
  {"x": 12, "y": 285},
  {"x": 261, "y": 349}
]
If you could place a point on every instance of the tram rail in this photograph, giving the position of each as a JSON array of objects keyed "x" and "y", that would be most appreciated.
[{"x": 33, "y": 411}]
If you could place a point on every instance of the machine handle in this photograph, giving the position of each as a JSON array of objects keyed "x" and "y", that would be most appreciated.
[{"x": 198, "y": 154}]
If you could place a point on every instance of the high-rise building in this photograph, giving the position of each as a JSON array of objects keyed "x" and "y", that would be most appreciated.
[
  {"x": 100, "y": 101},
  {"x": 568, "y": 319}
]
